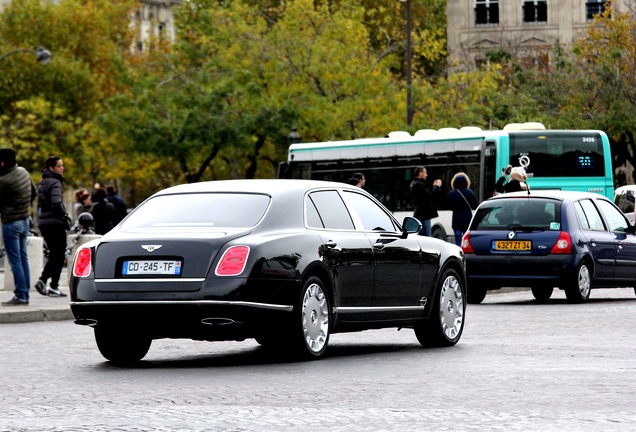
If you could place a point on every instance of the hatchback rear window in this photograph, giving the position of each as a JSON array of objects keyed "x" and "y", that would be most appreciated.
[
  {"x": 199, "y": 210},
  {"x": 519, "y": 213}
]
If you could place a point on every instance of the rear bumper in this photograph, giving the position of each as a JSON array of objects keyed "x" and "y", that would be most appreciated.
[
  {"x": 493, "y": 272},
  {"x": 200, "y": 319},
  {"x": 225, "y": 309}
]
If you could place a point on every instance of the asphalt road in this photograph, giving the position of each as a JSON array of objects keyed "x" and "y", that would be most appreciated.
[{"x": 520, "y": 366}]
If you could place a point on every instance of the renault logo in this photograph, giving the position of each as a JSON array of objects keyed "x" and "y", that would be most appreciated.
[
  {"x": 511, "y": 235},
  {"x": 151, "y": 248}
]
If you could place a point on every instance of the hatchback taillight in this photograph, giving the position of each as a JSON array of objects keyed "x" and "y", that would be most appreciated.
[
  {"x": 466, "y": 246},
  {"x": 233, "y": 261},
  {"x": 82, "y": 264},
  {"x": 563, "y": 244}
]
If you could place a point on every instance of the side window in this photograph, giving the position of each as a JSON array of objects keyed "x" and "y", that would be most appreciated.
[
  {"x": 535, "y": 11},
  {"x": 331, "y": 210},
  {"x": 312, "y": 216},
  {"x": 372, "y": 216},
  {"x": 486, "y": 12},
  {"x": 625, "y": 201},
  {"x": 589, "y": 216},
  {"x": 614, "y": 216}
]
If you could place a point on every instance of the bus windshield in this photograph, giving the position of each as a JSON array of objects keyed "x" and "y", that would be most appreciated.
[{"x": 558, "y": 153}]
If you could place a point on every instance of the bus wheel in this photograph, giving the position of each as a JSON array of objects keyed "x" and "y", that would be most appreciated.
[{"x": 438, "y": 233}]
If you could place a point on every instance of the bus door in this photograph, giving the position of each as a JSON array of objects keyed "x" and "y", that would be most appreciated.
[{"x": 489, "y": 174}]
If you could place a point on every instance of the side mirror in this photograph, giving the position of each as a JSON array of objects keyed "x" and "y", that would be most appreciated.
[
  {"x": 631, "y": 229},
  {"x": 410, "y": 226}
]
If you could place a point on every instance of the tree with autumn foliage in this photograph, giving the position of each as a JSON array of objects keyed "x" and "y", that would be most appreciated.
[{"x": 49, "y": 109}]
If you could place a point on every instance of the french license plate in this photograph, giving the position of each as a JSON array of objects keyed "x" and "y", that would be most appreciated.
[
  {"x": 512, "y": 245},
  {"x": 158, "y": 267}
]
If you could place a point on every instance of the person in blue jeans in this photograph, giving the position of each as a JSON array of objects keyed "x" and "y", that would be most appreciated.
[{"x": 17, "y": 192}]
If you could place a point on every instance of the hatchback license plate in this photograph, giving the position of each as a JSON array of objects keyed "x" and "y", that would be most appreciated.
[
  {"x": 168, "y": 267},
  {"x": 512, "y": 245}
]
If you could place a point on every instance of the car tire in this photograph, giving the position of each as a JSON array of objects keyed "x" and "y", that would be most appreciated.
[
  {"x": 311, "y": 325},
  {"x": 578, "y": 288},
  {"x": 542, "y": 293},
  {"x": 445, "y": 325},
  {"x": 476, "y": 294},
  {"x": 121, "y": 346}
]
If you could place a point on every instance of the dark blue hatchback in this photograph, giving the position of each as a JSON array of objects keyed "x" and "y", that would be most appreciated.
[{"x": 575, "y": 241}]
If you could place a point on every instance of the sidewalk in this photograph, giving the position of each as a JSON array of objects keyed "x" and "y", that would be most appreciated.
[{"x": 40, "y": 308}]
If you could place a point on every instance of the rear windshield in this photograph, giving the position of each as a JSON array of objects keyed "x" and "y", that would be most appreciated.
[
  {"x": 199, "y": 210},
  {"x": 535, "y": 213}
]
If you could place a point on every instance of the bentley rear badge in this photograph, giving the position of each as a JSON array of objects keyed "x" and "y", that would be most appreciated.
[{"x": 151, "y": 248}]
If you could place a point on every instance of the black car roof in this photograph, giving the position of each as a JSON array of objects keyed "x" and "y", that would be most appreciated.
[{"x": 266, "y": 186}]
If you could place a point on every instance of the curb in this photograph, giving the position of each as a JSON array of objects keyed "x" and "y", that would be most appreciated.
[{"x": 35, "y": 315}]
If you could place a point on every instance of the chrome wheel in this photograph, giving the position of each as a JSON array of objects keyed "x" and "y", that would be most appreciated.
[
  {"x": 315, "y": 318},
  {"x": 584, "y": 281},
  {"x": 578, "y": 290},
  {"x": 445, "y": 325},
  {"x": 451, "y": 307}
]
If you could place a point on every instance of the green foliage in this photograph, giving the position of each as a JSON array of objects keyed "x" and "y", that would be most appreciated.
[{"x": 221, "y": 101}]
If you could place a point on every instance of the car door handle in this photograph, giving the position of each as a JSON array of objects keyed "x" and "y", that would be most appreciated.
[
  {"x": 331, "y": 244},
  {"x": 378, "y": 245}
]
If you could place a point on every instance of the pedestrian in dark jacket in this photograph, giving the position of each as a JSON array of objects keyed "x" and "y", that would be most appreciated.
[
  {"x": 461, "y": 201},
  {"x": 17, "y": 192},
  {"x": 103, "y": 212},
  {"x": 51, "y": 214},
  {"x": 424, "y": 198},
  {"x": 118, "y": 202}
]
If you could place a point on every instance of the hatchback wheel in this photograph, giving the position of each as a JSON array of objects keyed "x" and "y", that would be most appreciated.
[
  {"x": 311, "y": 326},
  {"x": 121, "y": 346},
  {"x": 445, "y": 325},
  {"x": 542, "y": 293},
  {"x": 578, "y": 288},
  {"x": 476, "y": 294}
]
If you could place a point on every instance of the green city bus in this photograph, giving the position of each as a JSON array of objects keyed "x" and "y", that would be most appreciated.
[{"x": 553, "y": 159}]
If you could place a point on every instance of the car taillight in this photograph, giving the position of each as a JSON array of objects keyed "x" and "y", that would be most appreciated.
[
  {"x": 233, "y": 261},
  {"x": 466, "y": 247},
  {"x": 563, "y": 244},
  {"x": 82, "y": 264}
]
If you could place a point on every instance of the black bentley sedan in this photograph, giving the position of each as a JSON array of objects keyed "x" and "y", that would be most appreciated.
[{"x": 287, "y": 262}]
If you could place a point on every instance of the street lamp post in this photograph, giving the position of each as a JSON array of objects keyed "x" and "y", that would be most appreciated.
[
  {"x": 294, "y": 137},
  {"x": 409, "y": 69},
  {"x": 42, "y": 55}
]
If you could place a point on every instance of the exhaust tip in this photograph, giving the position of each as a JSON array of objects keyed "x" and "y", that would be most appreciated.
[
  {"x": 86, "y": 322},
  {"x": 218, "y": 321}
]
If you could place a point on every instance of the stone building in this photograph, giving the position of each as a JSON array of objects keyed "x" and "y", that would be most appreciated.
[
  {"x": 152, "y": 18},
  {"x": 522, "y": 27}
]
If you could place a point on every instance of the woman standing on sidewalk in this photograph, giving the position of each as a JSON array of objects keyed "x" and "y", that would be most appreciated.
[{"x": 51, "y": 213}]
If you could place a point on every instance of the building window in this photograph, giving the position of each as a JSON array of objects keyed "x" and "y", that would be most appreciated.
[
  {"x": 486, "y": 12},
  {"x": 594, "y": 7},
  {"x": 535, "y": 11}
]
